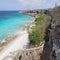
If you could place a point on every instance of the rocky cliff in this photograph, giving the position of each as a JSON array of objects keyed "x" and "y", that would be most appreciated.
[
  {"x": 51, "y": 50},
  {"x": 55, "y": 34}
]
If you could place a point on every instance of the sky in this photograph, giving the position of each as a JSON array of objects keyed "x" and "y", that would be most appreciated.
[{"x": 27, "y": 4}]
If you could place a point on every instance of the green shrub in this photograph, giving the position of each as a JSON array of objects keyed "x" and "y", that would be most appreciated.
[
  {"x": 34, "y": 35},
  {"x": 37, "y": 34}
]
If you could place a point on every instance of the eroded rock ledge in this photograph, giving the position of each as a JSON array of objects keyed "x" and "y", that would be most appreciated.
[{"x": 26, "y": 54}]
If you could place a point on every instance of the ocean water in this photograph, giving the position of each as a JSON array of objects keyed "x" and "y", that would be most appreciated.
[{"x": 11, "y": 21}]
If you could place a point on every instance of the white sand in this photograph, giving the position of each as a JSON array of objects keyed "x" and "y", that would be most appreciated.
[{"x": 16, "y": 44}]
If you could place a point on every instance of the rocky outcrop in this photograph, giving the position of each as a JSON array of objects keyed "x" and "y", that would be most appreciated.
[
  {"x": 47, "y": 45},
  {"x": 26, "y": 54}
]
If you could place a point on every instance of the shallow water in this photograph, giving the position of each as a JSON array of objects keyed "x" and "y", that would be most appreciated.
[{"x": 11, "y": 21}]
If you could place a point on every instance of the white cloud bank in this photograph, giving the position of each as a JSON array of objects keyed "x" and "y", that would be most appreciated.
[
  {"x": 38, "y": 3},
  {"x": 31, "y": 2}
]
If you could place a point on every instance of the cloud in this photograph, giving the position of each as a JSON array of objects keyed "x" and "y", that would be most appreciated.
[
  {"x": 35, "y": 4},
  {"x": 31, "y": 2}
]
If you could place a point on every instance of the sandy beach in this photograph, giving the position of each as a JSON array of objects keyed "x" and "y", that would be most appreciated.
[{"x": 18, "y": 43}]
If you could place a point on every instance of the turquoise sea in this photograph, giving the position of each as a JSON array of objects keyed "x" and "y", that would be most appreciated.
[{"x": 11, "y": 21}]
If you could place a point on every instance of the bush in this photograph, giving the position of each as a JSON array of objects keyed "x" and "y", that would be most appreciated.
[
  {"x": 37, "y": 34},
  {"x": 34, "y": 35}
]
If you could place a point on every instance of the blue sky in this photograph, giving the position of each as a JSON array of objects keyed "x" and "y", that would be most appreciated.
[{"x": 27, "y": 4}]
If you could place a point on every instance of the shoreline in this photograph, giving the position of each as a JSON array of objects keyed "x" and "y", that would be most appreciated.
[
  {"x": 11, "y": 38},
  {"x": 14, "y": 45}
]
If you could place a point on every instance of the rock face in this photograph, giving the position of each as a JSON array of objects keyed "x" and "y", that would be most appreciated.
[
  {"x": 51, "y": 50},
  {"x": 47, "y": 46},
  {"x": 56, "y": 33}
]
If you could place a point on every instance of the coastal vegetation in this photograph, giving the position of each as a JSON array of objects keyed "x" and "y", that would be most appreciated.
[{"x": 37, "y": 32}]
